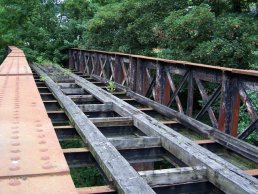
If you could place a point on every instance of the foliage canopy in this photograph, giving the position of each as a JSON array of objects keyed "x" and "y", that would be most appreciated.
[{"x": 223, "y": 32}]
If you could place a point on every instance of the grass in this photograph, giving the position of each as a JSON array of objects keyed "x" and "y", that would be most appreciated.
[
  {"x": 72, "y": 143},
  {"x": 87, "y": 176}
]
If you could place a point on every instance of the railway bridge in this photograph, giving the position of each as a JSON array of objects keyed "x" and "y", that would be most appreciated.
[{"x": 119, "y": 123}]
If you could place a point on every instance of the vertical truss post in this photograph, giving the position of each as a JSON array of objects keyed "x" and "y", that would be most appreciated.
[
  {"x": 97, "y": 63},
  {"x": 118, "y": 70},
  {"x": 158, "y": 84},
  {"x": 190, "y": 94},
  {"x": 162, "y": 90},
  {"x": 235, "y": 108},
  {"x": 229, "y": 106},
  {"x": 80, "y": 61},
  {"x": 142, "y": 80},
  {"x": 70, "y": 62},
  {"x": 133, "y": 73}
]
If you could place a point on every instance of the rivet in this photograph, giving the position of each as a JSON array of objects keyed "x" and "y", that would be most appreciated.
[
  {"x": 16, "y": 151},
  {"x": 47, "y": 165},
  {"x": 42, "y": 142},
  {"x": 15, "y": 137},
  {"x": 41, "y": 136},
  {"x": 15, "y": 132},
  {"x": 15, "y": 158},
  {"x": 14, "y": 167},
  {"x": 14, "y": 182},
  {"x": 45, "y": 158},
  {"x": 15, "y": 143},
  {"x": 43, "y": 149}
]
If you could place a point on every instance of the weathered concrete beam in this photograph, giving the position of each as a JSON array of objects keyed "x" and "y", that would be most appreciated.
[{"x": 126, "y": 179}]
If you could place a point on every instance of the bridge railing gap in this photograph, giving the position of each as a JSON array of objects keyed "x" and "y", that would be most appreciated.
[{"x": 162, "y": 80}]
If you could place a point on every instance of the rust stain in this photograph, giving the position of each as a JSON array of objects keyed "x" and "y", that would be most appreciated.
[{"x": 31, "y": 159}]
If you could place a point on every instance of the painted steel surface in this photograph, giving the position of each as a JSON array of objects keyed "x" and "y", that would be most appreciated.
[{"x": 31, "y": 159}]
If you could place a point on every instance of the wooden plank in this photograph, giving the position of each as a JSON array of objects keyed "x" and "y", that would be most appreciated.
[
  {"x": 252, "y": 172},
  {"x": 169, "y": 122},
  {"x": 50, "y": 101},
  {"x": 139, "y": 142},
  {"x": 245, "y": 149},
  {"x": 123, "y": 143},
  {"x": 112, "y": 163},
  {"x": 112, "y": 121},
  {"x": 238, "y": 146},
  {"x": 145, "y": 109},
  {"x": 79, "y": 157},
  {"x": 96, "y": 107},
  {"x": 86, "y": 97},
  {"x": 63, "y": 127},
  {"x": 174, "y": 176},
  {"x": 96, "y": 190},
  {"x": 219, "y": 172},
  {"x": 205, "y": 141}
]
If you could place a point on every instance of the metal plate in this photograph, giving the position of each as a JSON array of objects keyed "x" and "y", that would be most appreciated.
[
  {"x": 15, "y": 65},
  {"x": 16, "y": 54},
  {"x": 28, "y": 143},
  {"x": 49, "y": 184}
]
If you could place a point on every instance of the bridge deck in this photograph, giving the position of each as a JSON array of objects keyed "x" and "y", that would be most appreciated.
[
  {"x": 138, "y": 132},
  {"x": 31, "y": 156},
  {"x": 136, "y": 145}
]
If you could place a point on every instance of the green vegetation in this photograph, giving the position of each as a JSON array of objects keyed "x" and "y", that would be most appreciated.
[
  {"x": 87, "y": 176},
  {"x": 43, "y": 78},
  {"x": 111, "y": 87},
  {"x": 221, "y": 32},
  {"x": 76, "y": 142},
  {"x": 245, "y": 119}
]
